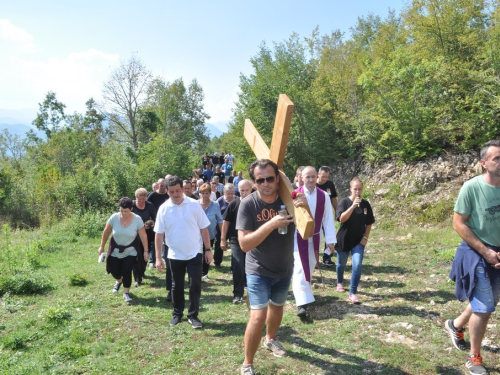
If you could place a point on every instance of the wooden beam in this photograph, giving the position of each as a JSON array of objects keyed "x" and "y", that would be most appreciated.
[
  {"x": 282, "y": 124},
  {"x": 302, "y": 216},
  {"x": 255, "y": 141}
]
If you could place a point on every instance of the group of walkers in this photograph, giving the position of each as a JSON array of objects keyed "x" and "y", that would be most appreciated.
[{"x": 192, "y": 217}]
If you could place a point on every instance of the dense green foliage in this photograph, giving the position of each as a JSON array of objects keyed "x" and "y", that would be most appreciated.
[{"x": 407, "y": 86}]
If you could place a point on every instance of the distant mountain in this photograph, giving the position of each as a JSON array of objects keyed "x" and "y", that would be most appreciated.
[
  {"x": 213, "y": 130},
  {"x": 16, "y": 128}
]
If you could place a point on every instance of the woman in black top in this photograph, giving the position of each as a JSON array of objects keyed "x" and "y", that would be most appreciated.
[{"x": 356, "y": 217}]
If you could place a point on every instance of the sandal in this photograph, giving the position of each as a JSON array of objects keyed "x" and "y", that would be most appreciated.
[
  {"x": 354, "y": 299},
  {"x": 340, "y": 288}
]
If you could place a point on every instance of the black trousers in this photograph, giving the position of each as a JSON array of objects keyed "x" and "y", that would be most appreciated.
[
  {"x": 167, "y": 268},
  {"x": 206, "y": 266},
  {"x": 238, "y": 266},
  {"x": 218, "y": 252},
  {"x": 193, "y": 268},
  {"x": 122, "y": 269}
]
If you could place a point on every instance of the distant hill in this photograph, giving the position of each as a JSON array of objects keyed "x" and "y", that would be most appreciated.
[
  {"x": 213, "y": 130},
  {"x": 16, "y": 128}
]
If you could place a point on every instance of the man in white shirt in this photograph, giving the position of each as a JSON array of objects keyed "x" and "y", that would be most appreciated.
[
  {"x": 306, "y": 252},
  {"x": 184, "y": 225}
]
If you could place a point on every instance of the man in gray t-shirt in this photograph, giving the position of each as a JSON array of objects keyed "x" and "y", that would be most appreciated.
[{"x": 269, "y": 259}]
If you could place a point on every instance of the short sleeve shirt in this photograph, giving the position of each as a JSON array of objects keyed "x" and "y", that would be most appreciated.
[
  {"x": 329, "y": 188},
  {"x": 274, "y": 256},
  {"x": 125, "y": 235},
  {"x": 480, "y": 201},
  {"x": 351, "y": 231}
]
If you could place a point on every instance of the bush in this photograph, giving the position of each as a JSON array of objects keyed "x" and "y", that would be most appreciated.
[
  {"x": 78, "y": 279},
  {"x": 26, "y": 281},
  {"x": 90, "y": 224},
  {"x": 56, "y": 315},
  {"x": 14, "y": 341}
]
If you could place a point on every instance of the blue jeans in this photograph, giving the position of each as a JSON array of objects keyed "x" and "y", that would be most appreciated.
[
  {"x": 262, "y": 290},
  {"x": 486, "y": 292},
  {"x": 357, "y": 261}
]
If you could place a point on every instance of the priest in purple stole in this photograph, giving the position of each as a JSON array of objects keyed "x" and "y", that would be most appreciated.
[{"x": 306, "y": 252}]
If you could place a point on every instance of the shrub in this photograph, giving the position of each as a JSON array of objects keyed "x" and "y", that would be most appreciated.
[
  {"x": 25, "y": 281},
  {"x": 78, "y": 279},
  {"x": 56, "y": 315},
  {"x": 73, "y": 351},
  {"x": 14, "y": 341},
  {"x": 90, "y": 224}
]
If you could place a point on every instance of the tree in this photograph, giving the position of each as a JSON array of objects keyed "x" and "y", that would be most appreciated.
[
  {"x": 51, "y": 114},
  {"x": 123, "y": 95}
]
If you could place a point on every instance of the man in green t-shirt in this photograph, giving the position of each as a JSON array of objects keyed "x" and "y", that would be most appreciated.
[{"x": 476, "y": 266}]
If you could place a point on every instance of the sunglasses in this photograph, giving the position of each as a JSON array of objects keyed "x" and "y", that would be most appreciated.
[{"x": 269, "y": 180}]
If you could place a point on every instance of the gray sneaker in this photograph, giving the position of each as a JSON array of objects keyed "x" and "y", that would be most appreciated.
[
  {"x": 247, "y": 370},
  {"x": 475, "y": 365},
  {"x": 275, "y": 347},
  {"x": 456, "y": 335}
]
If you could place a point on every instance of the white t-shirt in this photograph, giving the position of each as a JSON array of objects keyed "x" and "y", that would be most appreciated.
[
  {"x": 125, "y": 235},
  {"x": 182, "y": 224}
]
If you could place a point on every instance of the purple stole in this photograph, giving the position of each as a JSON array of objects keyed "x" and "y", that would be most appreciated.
[{"x": 302, "y": 244}]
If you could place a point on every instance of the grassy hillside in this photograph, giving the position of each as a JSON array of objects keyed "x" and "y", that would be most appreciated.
[{"x": 77, "y": 326}]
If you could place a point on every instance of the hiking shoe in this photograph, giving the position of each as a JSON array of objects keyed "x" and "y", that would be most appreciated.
[
  {"x": 117, "y": 286},
  {"x": 275, "y": 347},
  {"x": 475, "y": 365},
  {"x": 205, "y": 278},
  {"x": 195, "y": 322},
  {"x": 237, "y": 300},
  {"x": 169, "y": 297},
  {"x": 136, "y": 284},
  {"x": 176, "y": 319},
  {"x": 126, "y": 297},
  {"x": 247, "y": 370},
  {"x": 301, "y": 312},
  {"x": 328, "y": 262},
  {"x": 340, "y": 287},
  {"x": 456, "y": 335},
  {"x": 151, "y": 266}
]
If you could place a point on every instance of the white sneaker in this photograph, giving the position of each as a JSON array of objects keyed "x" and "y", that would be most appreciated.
[
  {"x": 151, "y": 266},
  {"x": 205, "y": 278},
  {"x": 126, "y": 297}
]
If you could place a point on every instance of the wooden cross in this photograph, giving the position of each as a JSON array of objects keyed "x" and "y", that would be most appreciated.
[{"x": 303, "y": 219}]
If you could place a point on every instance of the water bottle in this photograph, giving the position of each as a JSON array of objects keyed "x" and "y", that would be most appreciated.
[{"x": 282, "y": 212}]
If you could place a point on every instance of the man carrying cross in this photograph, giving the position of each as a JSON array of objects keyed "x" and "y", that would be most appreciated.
[{"x": 269, "y": 259}]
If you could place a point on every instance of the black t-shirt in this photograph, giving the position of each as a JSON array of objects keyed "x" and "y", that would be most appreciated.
[
  {"x": 230, "y": 215},
  {"x": 157, "y": 200},
  {"x": 274, "y": 256},
  {"x": 203, "y": 177},
  {"x": 351, "y": 232},
  {"x": 329, "y": 188},
  {"x": 230, "y": 179},
  {"x": 221, "y": 176}
]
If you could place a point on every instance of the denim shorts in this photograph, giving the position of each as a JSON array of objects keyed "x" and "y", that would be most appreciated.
[
  {"x": 486, "y": 292},
  {"x": 262, "y": 290}
]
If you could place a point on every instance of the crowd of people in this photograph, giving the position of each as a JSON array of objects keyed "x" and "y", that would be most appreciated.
[{"x": 183, "y": 226}]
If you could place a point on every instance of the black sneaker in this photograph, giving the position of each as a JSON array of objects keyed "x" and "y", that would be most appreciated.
[
  {"x": 301, "y": 312},
  {"x": 475, "y": 365},
  {"x": 176, "y": 319},
  {"x": 328, "y": 262},
  {"x": 195, "y": 322},
  {"x": 456, "y": 335},
  {"x": 117, "y": 286},
  {"x": 169, "y": 297}
]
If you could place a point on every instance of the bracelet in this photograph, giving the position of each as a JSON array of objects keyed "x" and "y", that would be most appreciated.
[
  {"x": 208, "y": 249},
  {"x": 366, "y": 238}
]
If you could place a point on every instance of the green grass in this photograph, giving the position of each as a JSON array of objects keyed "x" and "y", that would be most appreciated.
[{"x": 80, "y": 327}]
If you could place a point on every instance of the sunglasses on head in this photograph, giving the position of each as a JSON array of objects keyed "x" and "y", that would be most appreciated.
[{"x": 269, "y": 180}]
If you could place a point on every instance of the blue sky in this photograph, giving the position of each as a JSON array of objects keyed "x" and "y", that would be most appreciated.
[{"x": 70, "y": 47}]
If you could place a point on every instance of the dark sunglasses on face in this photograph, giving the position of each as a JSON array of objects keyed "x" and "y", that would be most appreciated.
[{"x": 269, "y": 180}]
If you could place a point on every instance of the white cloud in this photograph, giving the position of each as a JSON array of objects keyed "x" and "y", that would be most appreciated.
[
  {"x": 20, "y": 37},
  {"x": 221, "y": 110}
]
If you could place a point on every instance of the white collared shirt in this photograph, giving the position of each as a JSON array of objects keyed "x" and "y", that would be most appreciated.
[
  {"x": 181, "y": 224},
  {"x": 327, "y": 222}
]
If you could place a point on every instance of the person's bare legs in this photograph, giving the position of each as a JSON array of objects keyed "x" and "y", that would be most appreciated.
[
  {"x": 253, "y": 333},
  {"x": 273, "y": 321},
  {"x": 462, "y": 320},
  {"x": 477, "y": 329}
]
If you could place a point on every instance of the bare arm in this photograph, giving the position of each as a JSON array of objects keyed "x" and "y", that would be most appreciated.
[
  {"x": 250, "y": 239},
  {"x": 347, "y": 213},
  {"x": 108, "y": 229},
  {"x": 205, "y": 235},
  {"x": 158, "y": 248},
  {"x": 364, "y": 240},
  {"x": 144, "y": 240},
  {"x": 459, "y": 224},
  {"x": 335, "y": 203},
  {"x": 223, "y": 234}
]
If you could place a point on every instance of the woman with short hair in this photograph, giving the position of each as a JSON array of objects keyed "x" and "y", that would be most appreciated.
[
  {"x": 126, "y": 229},
  {"x": 356, "y": 218}
]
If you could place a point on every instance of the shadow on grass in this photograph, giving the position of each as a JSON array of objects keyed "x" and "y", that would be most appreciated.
[{"x": 438, "y": 296}]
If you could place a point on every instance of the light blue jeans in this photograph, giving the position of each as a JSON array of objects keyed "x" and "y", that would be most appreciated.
[{"x": 357, "y": 261}]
